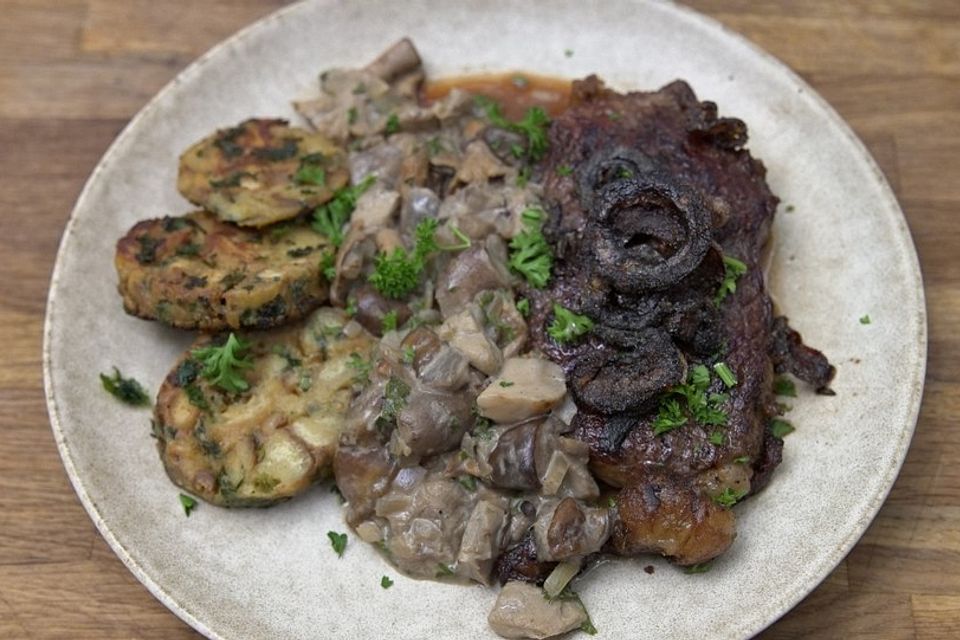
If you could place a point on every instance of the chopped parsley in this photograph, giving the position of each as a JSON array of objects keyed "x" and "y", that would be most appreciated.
[
  {"x": 506, "y": 383},
  {"x": 742, "y": 460},
  {"x": 523, "y": 306},
  {"x": 127, "y": 390},
  {"x": 533, "y": 126},
  {"x": 188, "y": 504},
  {"x": 386, "y": 582},
  {"x": 729, "y": 497},
  {"x": 567, "y": 325},
  {"x": 865, "y": 319},
  {"x": 397, "y": 274},
  {"x": 328, "y": 265},
  {"x": 338, "y": 541},
  {"x": 409, "y": 353},
  {"x": 783, "y": 386},
  {"x": 393, "y": 125},
  {"x": 690, "y": 400},
  {"x": 468, "y": 482},
  {"x": 464, "y": 240},
  {"x": 311, "y": 170},
  {"x": 568, "y": 53},
  {"x": 701, "y": 567},
  {"x": 530, "y": 255},
  {"x": 394, "y": 400},
  {"x": 564, "y": 170},
  {"x": 361, "y": 367},
  {"x": 444, "y": 570},
  {"x": 352, "y": 115},
  {"x": 196, "y": 397},
  {"x": 732, "y": 270},
  {"x": 389, "y": 322},
  {"x": 221, "y": 365},
  {"x": 725, "y": 374},
  {"x": 781, "y": 428},
  {"x": 330, "y": 217},
  {"x": 717, "y": 438}
]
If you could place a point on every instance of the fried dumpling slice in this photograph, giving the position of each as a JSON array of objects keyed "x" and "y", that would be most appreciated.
[
  {"x": 197, "y": 272},
  {"x": 272, "y": 431},
  {"x": 261, "y": 172}
]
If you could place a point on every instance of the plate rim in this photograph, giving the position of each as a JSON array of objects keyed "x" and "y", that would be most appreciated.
[{"x": 787, "y": 600}]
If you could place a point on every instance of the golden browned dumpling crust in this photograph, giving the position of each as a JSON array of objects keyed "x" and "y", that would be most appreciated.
[
  {"x": 277, "y": 437},
  {"x": 261, "y": 172},
  {"x": 196, "y": 272}
]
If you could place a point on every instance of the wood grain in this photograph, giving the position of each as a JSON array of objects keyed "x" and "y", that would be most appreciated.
[{"x": 72, "y": 72}]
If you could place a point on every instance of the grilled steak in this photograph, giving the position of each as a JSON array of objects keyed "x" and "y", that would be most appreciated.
[{"x": 655, "y": 211}]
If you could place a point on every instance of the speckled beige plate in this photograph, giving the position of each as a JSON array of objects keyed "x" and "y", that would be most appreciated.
[{"x": 844, "y": 251}]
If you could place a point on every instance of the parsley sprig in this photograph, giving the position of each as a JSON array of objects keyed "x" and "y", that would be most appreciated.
[
  {"x": 732, "y": 270},
  {"x": 127, "y": 390},
  {"x": 530, "y": 255},
  {"x": 691, "y": 400},
  {"x": 338, "y": 541},
  {"x": 222, "y": 365},
  {"x": 533, "y": 126},
  {"x": 567, "y": 325},
  {"x": 330, "y": 217},
  {"x": 397, "y": 274}
]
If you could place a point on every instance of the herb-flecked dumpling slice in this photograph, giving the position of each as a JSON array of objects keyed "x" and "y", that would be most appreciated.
[
  {"x": 197, "y": 272},
  {"x": 263, "y": 423},
  {"x": 261, "y": 172}
]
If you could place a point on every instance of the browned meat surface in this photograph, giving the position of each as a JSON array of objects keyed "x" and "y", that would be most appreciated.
[{"x": 653, "y": 194}]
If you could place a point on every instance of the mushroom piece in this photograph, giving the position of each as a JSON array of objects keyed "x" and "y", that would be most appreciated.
[
  {"x": 373, "y": 307},
  {"x": 526, "y": 387},
  {"x": 512, "y": 460},
  {"x": 431, "y": 422},
  {"x": 479, "y": 268},
  {"x": 465, "y": 332},
  {"x": 522, "y": 611},
  {"x": 400, "y": 58},
  {"x": 481, "y": 541},
  {"x": 567, "y": 529}
]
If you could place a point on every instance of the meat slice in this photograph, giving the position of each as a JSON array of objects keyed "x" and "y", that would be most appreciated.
[{"x": 654, "y": 214}]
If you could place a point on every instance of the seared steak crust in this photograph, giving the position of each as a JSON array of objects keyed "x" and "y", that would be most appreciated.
[{"x": 660, "y": 193}]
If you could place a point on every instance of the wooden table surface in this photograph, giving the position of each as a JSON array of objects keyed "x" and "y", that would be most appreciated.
[{"x": 72, "y": 72}]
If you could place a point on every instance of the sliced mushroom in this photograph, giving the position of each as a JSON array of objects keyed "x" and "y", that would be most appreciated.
[
  {"x": 526, "y": 387},
  {"x": 465, "y": 332},
  {"x": 479, "y": 268},
  {"x": 522, "y": 611},
  {"x": 481, "y": 541},
  {"x": 567, "y": 529},
  {"x": 431, "y": 422},
  {"x": 512, "y": 460}
]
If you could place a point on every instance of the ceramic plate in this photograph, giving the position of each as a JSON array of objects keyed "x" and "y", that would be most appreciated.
[{"x": 843, "y": 251}]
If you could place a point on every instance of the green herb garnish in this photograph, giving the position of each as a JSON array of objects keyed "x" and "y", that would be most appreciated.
[
  {"x": 567, "y": 325},
  {"x": 742, "y": 460},
  {"x": 127, "y": 390},
  {"x": 393, "y": 124},
  {"x": 386, "y": 582},
  {"x": 725, "y": 374},
  {"x": 409, "y": 353},
  {"x": 188, "y": 504},
  {"x": 701, "y": 567},
  {"x": 221, "y": 365},
  {"x": 732, "y": 270},
  {"x": 506, "y": 383},
  {"x": 729, "y": 497},
  {"x": 311, "y": 170},
  {"x": 530, "y": 255},
  {"x": 781, "y": 428},
  {"x": 717, "y": 438},
  {"x": 389, "y": 322},
  {"x": 865, "y": 319},
  {"x": 564, "y": 170},
  {"x": 533, "y": 126},
  {"x": 783, "y": 386},
  {"x": 338, "y": 541},
  {"x": 397, "y": 274},
  {"x": 330, "y": 217},
  {"x": 690, "y": 400},
  {"x": 523, "y": 306},
  {"x": 328, "y": 265},
  {"x": 444, "y": 570},
  {"x": 361, "y": 367},
  {"x": 468, "y": 482}
]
